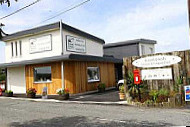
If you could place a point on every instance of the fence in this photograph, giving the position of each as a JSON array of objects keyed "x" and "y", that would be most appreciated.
[{"x": 180, "y": 71}]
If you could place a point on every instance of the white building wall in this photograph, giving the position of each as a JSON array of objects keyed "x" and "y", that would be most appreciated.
[
  {"x": 92, "y": 47},
  {"x": 26, "y": 55},
  {"x": 16, "y": 79},
  {"x": 147, "y": 48}
]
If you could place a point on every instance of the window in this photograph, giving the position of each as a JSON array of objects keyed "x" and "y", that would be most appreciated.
[
  {"x": 16, "y": 48},
  {"x": 151, "y": 50},
  {"x": 42, "y": 74},
  {"x": 12, "y": 49},
  {"x": 20, "y": 43},
  {"x": 93, "y": 74},
  {"x": 142, "y": 49}
]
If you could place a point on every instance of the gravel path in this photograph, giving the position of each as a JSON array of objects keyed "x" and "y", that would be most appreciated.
[{"x": 19, "y": 113}]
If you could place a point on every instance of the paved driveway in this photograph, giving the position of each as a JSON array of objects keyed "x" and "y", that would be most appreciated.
[
  {"x": 19, "y": 113},
  {"x": 108, "y": 96}
]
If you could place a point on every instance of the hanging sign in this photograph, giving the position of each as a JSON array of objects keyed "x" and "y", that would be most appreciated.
[
  {"x": 187, "y": 93},
  {"x": 156, "y": 61},
  {"x": 156, "y": 74},
  {"x": 76, "y": 44}
]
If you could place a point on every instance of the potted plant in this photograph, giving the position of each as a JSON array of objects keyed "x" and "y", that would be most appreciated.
[
  {"x": 31, "y": 93},
  {"x": 8, "y": 93},
  {"x": 121, "y": 92},
  {"x": 63, "y": 94},
  {"x": 101, "y": 87}
]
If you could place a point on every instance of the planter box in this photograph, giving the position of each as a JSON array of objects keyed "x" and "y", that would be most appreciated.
[
  {"x": 31, "y": 95},
  {"x": 122, "y": 96},
  {"x": 9, "y": 94},
  {"x": 64, "y": 97}
]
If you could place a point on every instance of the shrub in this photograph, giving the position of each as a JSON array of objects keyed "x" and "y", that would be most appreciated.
[
  {"x": 8, "y": 91},
  {"x": 101, "y": 86},
  {"x": 121, "y": 89},
  {"x": 154, "y": 94},
  {"x": 163, "y": 92}
]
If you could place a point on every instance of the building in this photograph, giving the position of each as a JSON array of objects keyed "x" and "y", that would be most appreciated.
[
  {"x": 56, "y": 56},
  {"x": 136, "y": 47}
]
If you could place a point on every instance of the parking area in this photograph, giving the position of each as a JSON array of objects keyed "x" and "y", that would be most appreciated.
[{"x": 107, "y": 96}]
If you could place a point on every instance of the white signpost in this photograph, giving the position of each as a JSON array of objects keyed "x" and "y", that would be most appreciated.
[
  {"x": 156, "y": 61},
  {"x": 76, "y": 44},
  {"x": 40, "y": 44},
  {"x": 156, "y": 74}
]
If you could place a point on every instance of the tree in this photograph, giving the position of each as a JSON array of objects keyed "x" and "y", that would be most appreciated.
[{"x": 6, "y": 1}]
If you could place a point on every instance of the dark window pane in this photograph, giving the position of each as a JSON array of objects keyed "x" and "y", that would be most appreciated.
[
  {"x": 42, "y": 74},
  {"x": 93, "y": 74}
]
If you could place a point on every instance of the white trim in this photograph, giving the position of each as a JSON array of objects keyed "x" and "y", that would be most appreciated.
[
  {"x": 61, "y": 36},
  {"x": 62, "y": 75}
]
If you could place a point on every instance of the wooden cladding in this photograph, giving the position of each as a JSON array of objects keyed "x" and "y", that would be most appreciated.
[
  {"x": 52, "y": 86},
  {"x": 75, "y": 76}
]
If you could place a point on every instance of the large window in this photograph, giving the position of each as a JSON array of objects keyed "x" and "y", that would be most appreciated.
[
  {"x": 93, "y": 74},
  {"x": 42, "y": 74}
]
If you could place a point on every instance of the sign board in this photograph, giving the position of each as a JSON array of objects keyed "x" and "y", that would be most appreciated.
[
  {"x": 75, "y": 44},
  {"x": 40, "y": 44},
  {"x": 187, "y": 93},
  {"x": 156, "y": 74},
  {"x": 156, "y": 61}
]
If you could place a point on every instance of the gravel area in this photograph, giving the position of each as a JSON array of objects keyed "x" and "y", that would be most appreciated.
[{"x": 17, "y": 113}]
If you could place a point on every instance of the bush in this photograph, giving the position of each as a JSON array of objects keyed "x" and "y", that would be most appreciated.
[
  {"x": 8, "y": 91},
  {"x": 101, "y": 86},
  {"x": 163, "y": 92},
  {"x": 154, "y": 94},
  {"x": 2, "y": 77},
  {"x": 121, "y": 89}
]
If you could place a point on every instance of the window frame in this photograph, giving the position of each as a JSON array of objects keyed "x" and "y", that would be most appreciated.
[
  {"x": 34, "y": 77},
  {"x": 12, "y": 49},
  {"x": 98, "y": 70},
  {"x": 16, "y": 48},
  {"x": 20, "y": 46}
]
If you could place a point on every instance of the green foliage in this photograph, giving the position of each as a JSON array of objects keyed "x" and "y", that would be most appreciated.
[
  {"x": 8, "y": 91},
  {"x": 178, "y": 83},
  {"x": 163, "y": 92},
  {"x": 154, "y": 94},
  {"x": 101, "y": 86},
  {"x": 121, "y": 89},
  {"x": 2, "y": 77}
]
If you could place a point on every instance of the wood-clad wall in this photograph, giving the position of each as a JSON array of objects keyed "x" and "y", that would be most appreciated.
[
  {"x": 75, "y": 75},
  {"x": 56, "y": 78},
  {"x": 179, "y": 69}
]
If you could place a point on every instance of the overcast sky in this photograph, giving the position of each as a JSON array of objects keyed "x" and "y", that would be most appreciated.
[{"x": 165, "y": 21}]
